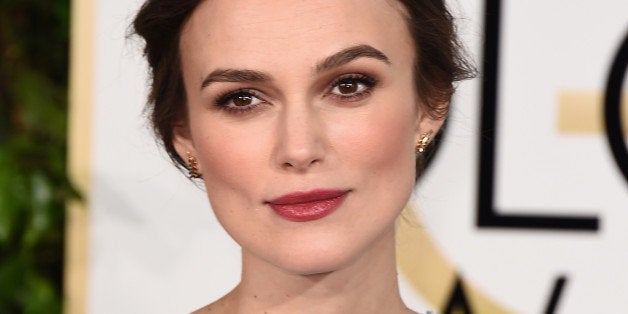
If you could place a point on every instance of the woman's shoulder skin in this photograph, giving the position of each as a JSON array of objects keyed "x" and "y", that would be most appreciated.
[
  {"x": 211, "y": 308},
  {"x": 225, "y": 305},
  {"x": 217, "y": 307}
]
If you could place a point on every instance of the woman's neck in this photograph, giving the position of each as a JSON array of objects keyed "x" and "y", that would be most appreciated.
[{"x": 366, "y": 285}]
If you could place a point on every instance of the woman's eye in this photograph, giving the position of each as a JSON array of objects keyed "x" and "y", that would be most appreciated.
[
  {"x": 239, "y": 100},
  {"x": 244, "y": 100},
  {"x": 347, "y": 87},
  {"x": 353, "y": 87}
]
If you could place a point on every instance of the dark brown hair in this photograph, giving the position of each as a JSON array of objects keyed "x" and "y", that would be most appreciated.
[{"x": 439, "y": 59}]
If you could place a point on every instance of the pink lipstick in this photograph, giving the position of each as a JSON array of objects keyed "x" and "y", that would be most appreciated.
[{"x": 306, "y": 206}]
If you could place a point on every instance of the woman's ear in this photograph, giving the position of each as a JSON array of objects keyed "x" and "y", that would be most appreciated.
[
  {"x": 428, "y": 123},
  {"x": 183, "y": 143}
]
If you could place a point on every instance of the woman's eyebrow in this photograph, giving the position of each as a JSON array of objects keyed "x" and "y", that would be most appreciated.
[
  {"x": 232, "y": 75},
  {"x": 349, "y": 54},
  {"x": 338, "y": 59}
]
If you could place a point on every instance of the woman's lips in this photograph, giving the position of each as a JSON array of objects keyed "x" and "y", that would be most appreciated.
[{"x": 306, "y": 206}]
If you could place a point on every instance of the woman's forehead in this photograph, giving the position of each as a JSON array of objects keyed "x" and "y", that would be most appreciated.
[{"x": 268, "y": 31}]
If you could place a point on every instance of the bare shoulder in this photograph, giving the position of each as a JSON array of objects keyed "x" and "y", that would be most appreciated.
[
  {"x": 210, "y": 308},
  {"x": 220, "y": 306}
]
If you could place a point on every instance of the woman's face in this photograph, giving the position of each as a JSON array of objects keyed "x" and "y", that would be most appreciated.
[{"x": 303, "y": 117}]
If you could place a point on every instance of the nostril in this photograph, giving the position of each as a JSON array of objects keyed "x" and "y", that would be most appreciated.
[
  {"x": 301, "y": 140},
  {"x": 301, "y": 164}
]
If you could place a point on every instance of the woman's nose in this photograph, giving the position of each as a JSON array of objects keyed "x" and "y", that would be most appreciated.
[{"x": 301, "y": 140}]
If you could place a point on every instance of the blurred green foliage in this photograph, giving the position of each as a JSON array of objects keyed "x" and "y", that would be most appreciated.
[{"x": 33, "y": 183}]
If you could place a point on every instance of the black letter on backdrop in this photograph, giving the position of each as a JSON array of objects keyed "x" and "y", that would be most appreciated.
[
  {"x": 613, "y": 108},
  {"x": 488, "y": 217},
  {"x": 458, "y": 300},
  {"x": 555, "y": 296}
]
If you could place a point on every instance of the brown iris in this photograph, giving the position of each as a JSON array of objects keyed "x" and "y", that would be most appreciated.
[
  {"x": 347, "y": 87},
  {"x": 242, "y": 100}
]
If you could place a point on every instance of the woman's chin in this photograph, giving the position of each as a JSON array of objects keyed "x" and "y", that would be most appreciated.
[
  {"x": 315, "y": 251},
  {"x": 309, "y": 259},
  {"x": 313, "y": 265}
]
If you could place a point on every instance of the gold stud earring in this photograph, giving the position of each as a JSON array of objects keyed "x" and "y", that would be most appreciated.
[
  {"x": 192, "y": 166},
  {"x": 423, "y": 142}
]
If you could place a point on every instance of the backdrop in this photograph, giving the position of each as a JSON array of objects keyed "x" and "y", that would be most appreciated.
[{"x": 525, "y": 208}]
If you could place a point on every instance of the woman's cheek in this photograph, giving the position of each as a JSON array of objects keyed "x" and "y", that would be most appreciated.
[
  {"x": 231, "y": 156},
  {"x": 378, "y": 137}
]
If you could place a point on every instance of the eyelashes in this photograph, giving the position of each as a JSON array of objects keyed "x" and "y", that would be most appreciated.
[
  {"x": 346, "y": 88},
  {"x": 352, "y": 87},
  {"x": 239, "y": 101}
]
